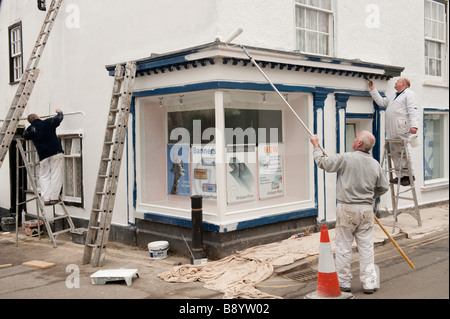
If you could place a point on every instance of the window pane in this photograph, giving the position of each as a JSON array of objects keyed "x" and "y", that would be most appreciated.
[
  {"x": 427, "y": 9},
  {"x": 312, "y": 42},
  {"x": 311, "y": 20},
  {"x": 433, "y": 146},
  {"x": 350, "y": 135},
  {"x": 68, "y": 177},
  {"x": 78, "y": 183},
  {"x": 323, "y": 22},
  {"x": 323, "y": 44},
  {"x": 301, "y": 44},
  {"x": 427, "y": 28},
  {"x": 300, "y": 17},
  {"x": 326, "y": 4}
]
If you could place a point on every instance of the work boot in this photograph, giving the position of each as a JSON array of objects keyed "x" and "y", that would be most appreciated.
[
  {"x": 404, "y": 181},
  {"x": 369, "y": 291},
  {"x": 394, "y": 180},
  {"x": 344, "y": 289}
]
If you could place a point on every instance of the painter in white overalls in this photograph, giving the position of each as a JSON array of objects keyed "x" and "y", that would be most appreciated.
[
  {"x": 402, "y": 120},
  {"x": 361, "y": 181}
]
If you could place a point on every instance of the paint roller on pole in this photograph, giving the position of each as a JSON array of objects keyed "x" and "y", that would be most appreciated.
[{"x": 233, "y": 36}]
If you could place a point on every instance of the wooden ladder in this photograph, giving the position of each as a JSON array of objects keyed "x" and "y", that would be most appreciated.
[
  {"x": 110, "y": 163},
  {"x": 27, "y": 82}
]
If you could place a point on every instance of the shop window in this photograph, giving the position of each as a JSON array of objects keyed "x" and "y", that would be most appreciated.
[
  {"x": 435, "y": 142},
  {"x": 266, "y": 152}
]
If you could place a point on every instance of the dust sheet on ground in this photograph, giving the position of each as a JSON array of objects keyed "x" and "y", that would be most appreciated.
[{"x": 237, "y": 275}]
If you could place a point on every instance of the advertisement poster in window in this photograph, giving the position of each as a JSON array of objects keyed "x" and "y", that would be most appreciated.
[
  {"x": 178, "y": 182},
  {"x": 270, "y": 165},
  {"x": 204, "y": 171},
  {"x": 241, "y": 172}
]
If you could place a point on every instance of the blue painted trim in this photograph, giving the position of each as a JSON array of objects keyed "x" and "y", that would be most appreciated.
[
  {"x": 435, "y": 110},
  {"x": 224, "y": 85},
  {"x": 366, "y": 116},
  {"x": 207, "y": 226},
  {"x": 341, "y": 103}
]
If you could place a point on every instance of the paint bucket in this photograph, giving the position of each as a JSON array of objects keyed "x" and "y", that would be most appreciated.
[
  {"x": 31, "y": 227},
  {"x": 414, "y": 140},
  {"x": 158, "y": 249}
]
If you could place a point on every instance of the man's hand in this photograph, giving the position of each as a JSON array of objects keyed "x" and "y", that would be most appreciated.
[
  {"x": 314, "y": 140},
  {"x": 413, "y": 130},
  {"x": 58, "y": 110},
  {"x": 371, "y": 85}
]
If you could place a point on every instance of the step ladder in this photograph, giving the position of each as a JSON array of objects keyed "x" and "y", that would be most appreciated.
[
  {"x": 397, "y": 190},
  {"x": 110, "y": 163},
  {"x": 27, "y": 82},
  {"x": 31, "y": 169}
]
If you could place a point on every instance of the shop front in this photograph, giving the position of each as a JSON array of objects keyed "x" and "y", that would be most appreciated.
[{"x": 205, "y": 123}]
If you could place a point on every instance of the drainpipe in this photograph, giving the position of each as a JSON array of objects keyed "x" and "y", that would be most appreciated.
[{"x": 197, "y": 228}]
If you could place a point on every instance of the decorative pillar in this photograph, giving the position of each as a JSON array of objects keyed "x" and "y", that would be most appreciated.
[
  {"x": 341, "y": 106},
  {"x": 319, "y": 129}
]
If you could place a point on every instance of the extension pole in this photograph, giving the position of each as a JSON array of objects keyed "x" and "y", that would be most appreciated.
[
  {"x": 280, "y": 95},
  {"x": 393, "y": 241}
]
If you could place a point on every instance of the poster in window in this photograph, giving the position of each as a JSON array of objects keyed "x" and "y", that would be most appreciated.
[
  {"x": 204, "y": 171},
  {"x": 241, "y": 172},
  {"x": 178, "y": 182},
  {"x": 270, "y": 165}
]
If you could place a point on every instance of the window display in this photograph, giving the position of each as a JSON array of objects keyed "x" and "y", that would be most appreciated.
[{"x": 263, "y": 166}]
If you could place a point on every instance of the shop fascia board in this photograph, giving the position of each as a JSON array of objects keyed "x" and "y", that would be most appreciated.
[{"x": 211, "y": 52}]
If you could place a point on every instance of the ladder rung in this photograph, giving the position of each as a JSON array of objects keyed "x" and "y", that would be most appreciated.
[
  {"x": 57, "y": 218},
  {"x": 28, "y": 200},
  {"x": 94, "y": 227},
  {"x": 61, "y": 232},
  {"x": 407, "y": 198}
]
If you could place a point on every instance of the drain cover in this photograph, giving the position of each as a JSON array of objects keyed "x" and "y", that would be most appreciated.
[{"x": 303, "y": 275}]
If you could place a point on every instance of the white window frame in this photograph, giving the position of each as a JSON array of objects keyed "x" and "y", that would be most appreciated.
[
  {"x": 442, "y": 181},
  {"x": 77, "y": 174},
  {"x": 434, "y": 42},
  {"x": 16, "y": 54},
  {"x": 314, "y": 6}
]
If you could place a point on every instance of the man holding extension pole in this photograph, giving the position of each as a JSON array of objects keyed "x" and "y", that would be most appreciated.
[
  {"x": 360, "y": 181},
  {"x": 48, "y": 146}
]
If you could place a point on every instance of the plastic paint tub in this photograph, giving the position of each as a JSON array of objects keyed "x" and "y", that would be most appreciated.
[
  {"x": 158, "y": 249},
  {"x": 414, "y": 140}
]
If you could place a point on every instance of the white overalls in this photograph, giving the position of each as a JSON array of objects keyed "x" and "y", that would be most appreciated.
[
  {"x": 401, "y": 114},
  {"x": 360, "y": 181}
]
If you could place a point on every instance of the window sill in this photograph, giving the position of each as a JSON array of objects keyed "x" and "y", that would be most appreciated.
[
  {"x": 442, "y": 84},
  {"x": 434, "y": 185}
]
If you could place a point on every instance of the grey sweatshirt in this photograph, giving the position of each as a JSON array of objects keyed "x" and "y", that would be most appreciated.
[{"x": 360, "y": 177}]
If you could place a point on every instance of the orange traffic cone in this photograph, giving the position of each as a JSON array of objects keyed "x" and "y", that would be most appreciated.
[{"x": 327, "y": 280}]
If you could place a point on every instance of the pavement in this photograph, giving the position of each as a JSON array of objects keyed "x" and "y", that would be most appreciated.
[{"x": 68, "y": 278}]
